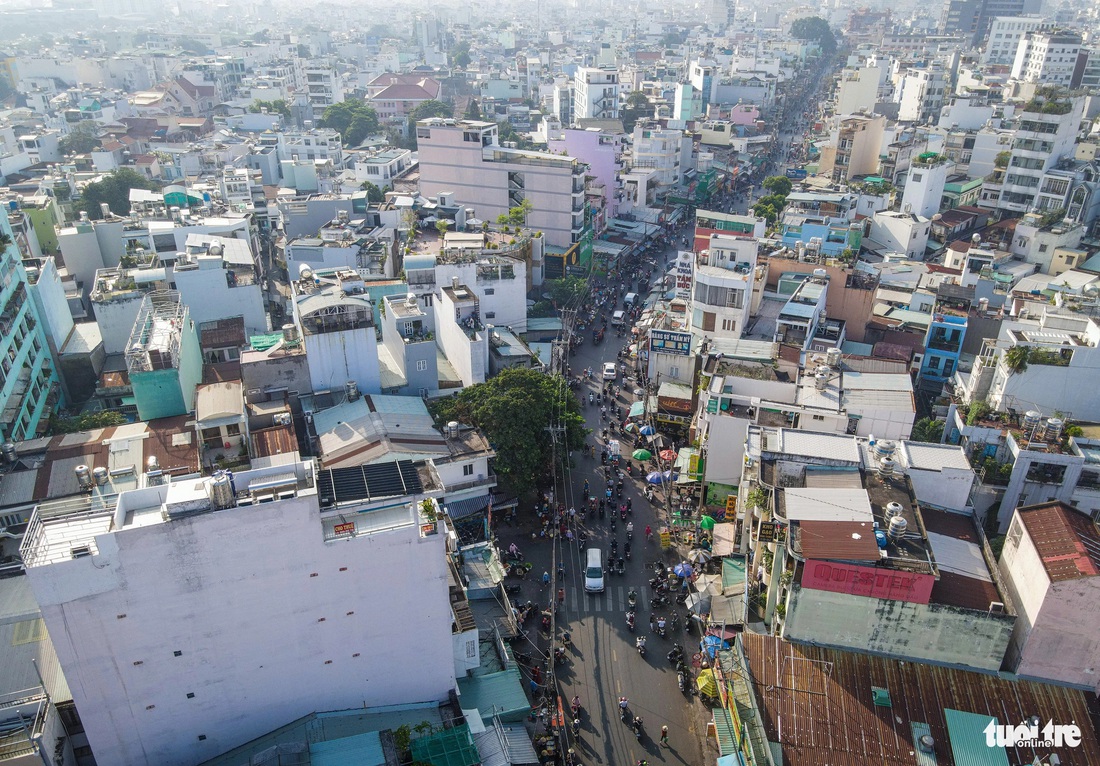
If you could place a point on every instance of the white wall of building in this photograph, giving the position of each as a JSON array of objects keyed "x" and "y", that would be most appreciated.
[
  {"x": 207, "y": 293},
  {"x": 270, "y": 622},
  {"x": 336, "y": 357}
]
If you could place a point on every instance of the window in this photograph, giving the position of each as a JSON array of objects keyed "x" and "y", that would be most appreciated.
[
  {"x": 728, "y": 325},
  {"x": 468, "y": 469},
  {"x": 233, "y": 429},
  {"x": 421, "y": 365},
  {"x": 674, "y": 372},
  {"x": 917, "y": 176},
  {"x": 1042, "y": 248},
  {"x": 818, "y": 417},
  {"x": 490, "y": 291}
]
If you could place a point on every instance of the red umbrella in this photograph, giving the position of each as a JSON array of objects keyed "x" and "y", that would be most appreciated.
[{"x": 667, "y": 454}]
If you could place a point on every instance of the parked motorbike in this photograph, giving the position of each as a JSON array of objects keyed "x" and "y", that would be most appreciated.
[
  {"x": 658, "y": 601},
  {"x": 681, "y": 679}
]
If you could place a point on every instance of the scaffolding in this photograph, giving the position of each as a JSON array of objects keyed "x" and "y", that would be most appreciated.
[{"x": 155, "y": 340}]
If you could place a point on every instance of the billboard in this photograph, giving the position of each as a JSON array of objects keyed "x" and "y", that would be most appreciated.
[
  {"x": 668, "y": 342},
  {"x": 685, "y": 267},
  {"x": 875, "y": 582}
]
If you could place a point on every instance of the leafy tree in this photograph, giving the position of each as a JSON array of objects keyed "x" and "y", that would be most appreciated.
[
  {"x": 637, "y": 107},
  {"x": 1002, "y": 158},
  {"x": 442, "y": 226},
  {"x": 765, "y": 211},
  {"x": 977, "y": 411},
  {"x": 516, "y": 409},
  {"x": 81, "y": 140},
  {"x": 567, "y": 291},
  {"x": 927, "y": 430},
  {"x": 374, "y": 194},
  {"x": 505, "y": 132},
  {"x": 780, "y": 185},
  {"x": 816, "y": 29},
  {"x": 473, "y": 110},
  {"x": 353, "y": 120},
  {"x": 86, "y": 422},
  {"x": 278, "y": 106},
  {"x": 460, "y": 55},
  {"x": 114, "y": 189},
  {"x": 1016, "y": 358},
  {"x": 427, "y": 109}
]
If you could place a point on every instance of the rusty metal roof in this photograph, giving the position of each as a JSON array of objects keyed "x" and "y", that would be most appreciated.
[
  {"x": 1066, "y": 541},
  {"x": 844, "y": 540},
  {"x": 818, "y": 705},
  {"x": 959, "y": 585}
]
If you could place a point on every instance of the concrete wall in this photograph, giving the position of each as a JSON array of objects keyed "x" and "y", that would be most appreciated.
[
  {"x": 81, "y": 253},
  {"x": 932, "y": 633},
  {"x": 337, "y": 357},
  {"x": 947, "y": 488},
  {"x": 1064, "y": 643},
  {"x": 207, "y": 293},
  {"x": 158, "y": 394},
  {"x": 203, "y": 586},
  {"x": 116, "y": 319},
  {"x": 852, "y": 305}
]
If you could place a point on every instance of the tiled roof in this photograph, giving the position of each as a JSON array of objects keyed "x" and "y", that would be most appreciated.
[
  {"x": 1066, "y": 541},
  {"x": 403, "y": 92}
]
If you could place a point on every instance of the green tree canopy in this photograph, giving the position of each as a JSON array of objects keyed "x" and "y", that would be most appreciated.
[
  {"x": 114, "y": 189},
  {"x": 86, "y": 422},
  {"x": 816, "y": 29},
  {"x": 516, "y": 409},
  {"x": 473, "y": 110},
  {"x": 374, "y": 193},
  {"x": 353, "y": 120},
  {"x": 567, "y": 291},
  {"x": 432, "y": 108},
  {"x": 766, "y": 211},
  {"x": 927, "y": 430},
  {"x": 460, "y": 55},
  {"x": 83, "y": 139},
  {"x": 637, "y": 107},
  {"x": 278, "y": 106},
  {"x": 780, "y": 185}
]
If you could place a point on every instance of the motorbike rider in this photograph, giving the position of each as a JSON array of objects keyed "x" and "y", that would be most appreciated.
[
  {"x": 629, "y": 529},
  {"x": 648, "y": 532},
  {"x": 639, "y": 643}
]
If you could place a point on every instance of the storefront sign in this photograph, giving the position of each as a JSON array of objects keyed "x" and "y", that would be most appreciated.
[
  {"x": 346, "y": 528},
  {"x": 731, "y": 506},
  {"x": 868, "y": 581},
  {"x": 685, "y": 266},
  {"x": 770, "y": 532},
  {"x": 666, "y": 342}
]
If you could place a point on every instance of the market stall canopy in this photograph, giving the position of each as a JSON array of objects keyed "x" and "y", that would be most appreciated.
[
  {"x": 707, "y": 523},
  {"x": 724, "y": 539},
  {"x": 642, "y": 454},
  {"x": 637, "y": 410},
  {"x": 706, "y": 683}
]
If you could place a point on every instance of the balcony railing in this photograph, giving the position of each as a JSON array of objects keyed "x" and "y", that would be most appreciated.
[{"x": 482, "y": 480}]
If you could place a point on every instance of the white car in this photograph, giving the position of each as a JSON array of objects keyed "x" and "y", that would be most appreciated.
[{"x": 609, "y": 371}]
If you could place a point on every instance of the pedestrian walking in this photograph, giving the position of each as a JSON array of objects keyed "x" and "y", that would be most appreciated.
[{"x": 664, "y": 736}]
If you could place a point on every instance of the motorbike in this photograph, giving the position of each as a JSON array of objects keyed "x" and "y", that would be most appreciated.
[
  {"x": 630, "y": 621},
  {"x": 632, "y": 598},
  {"x": 681, "y": 598},
  {"x": 637, "y": 727},
  {"x": 661, "y": 624},
  {"x": 674, "y": 623},
  {"x": 639, "y": 644},
  {"x": 591, "y": 398},
  {"x": 676, "y": 654},
  {"x": 629, "y": 527},
  {"x": 626, "y": 550},
  {"x": 681, "y": 679},
  {"x": 621, "y": 568},
  {"x": 658, "y": 601},
  {"x": 624, "y": 709},
  {"x": 622, "y": 508}
]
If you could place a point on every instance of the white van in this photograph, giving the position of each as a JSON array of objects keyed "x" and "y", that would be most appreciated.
[
  {"x": 631, "y": 300},
  {"x": 618, "y": 318},
  {"x": 593, "y": 571}
]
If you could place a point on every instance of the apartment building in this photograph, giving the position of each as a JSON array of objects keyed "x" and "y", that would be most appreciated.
[
  {"x": 163, "y": 358},
  {"x": 665, "y": 152},
  {"x": 1046, "y": 131},
  {"x": 921, "y": 94},
  {"x": 1005, "y": 33},
  {"x": 160, "y": 607},
  {"x": 596, "y": 94},
  {"x": 465, "y": 157},
  {"x": 858, "y": 144},
  {"x": 324, "y": 87},
  {"x": 1048, "y": 58},
  {"x": 29, "y": 384},
  {"x": 722, "y": 282}
]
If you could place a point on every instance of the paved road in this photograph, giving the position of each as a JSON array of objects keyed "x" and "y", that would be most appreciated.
[{"x": 603, "y": 663}]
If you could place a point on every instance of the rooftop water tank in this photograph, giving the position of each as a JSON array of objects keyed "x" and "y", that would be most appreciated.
[
  {"x": 893, "y": 509},
  {"x": 1032, "y": 419},
  {"x": 833, "y": 356},
  {"x": 83, "y": 476},
  {"x": 884, "y": 448},
  {"x": 898, "y": 525},
  {"x": 305, "y": 271},
  {"x": 221, "y": 491},
  {"x": 7, "y": 449},
  {"x": 880, "y": 539},
  {"x": 821, "y": 381},
  {"x": 1053, "y": 430},
  {"x": 886, "y": 467},
  {"x": 290, "y": 334},
  {"x": 351, "y": 388},
  {"x": 100, "y": 475}
]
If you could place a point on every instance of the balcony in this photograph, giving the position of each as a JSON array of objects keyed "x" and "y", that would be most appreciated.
[
  {"x": 482, "y": 480},
  {"x": 943, "y": 344}
]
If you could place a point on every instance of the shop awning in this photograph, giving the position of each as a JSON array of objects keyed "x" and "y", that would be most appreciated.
[{"x": 637, "y": 410}]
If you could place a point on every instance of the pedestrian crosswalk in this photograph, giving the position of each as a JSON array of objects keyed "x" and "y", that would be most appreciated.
[{"x": 613, "y": 599}]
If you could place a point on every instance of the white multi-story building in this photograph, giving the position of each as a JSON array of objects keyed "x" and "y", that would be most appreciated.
[
  {"x": 313, "y": 144},
  {"x": 596, "y": 94},
  {"x": 666, "y": 152},
  {"x": 899, "y": 232},
  {"x": 722, "y": 286},
  {"x": 193, "y": 616},
  {"x": 1005, "y": 34},
  {"x": 1044, "y": 135},
  {"x": 921, "y": 94},
  {"x": 465, "y": 158},
  {"x": 928, "y": 175},
  {"x": 1048, "y": 58},
  {"x": 324, "y": 87}
]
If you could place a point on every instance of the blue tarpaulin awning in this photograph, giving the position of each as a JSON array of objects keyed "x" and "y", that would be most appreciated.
[{"x": 460, "y": 509}]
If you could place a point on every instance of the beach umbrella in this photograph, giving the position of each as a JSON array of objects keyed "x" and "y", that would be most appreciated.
[
  {"x": 642, "y": 454},
  {"x": 629, "y": 427},
  {"x": 706, "y": 523},
  {"x": 667, "y": 454},
  {"x": 654, "y": 477},
  {"x": 706, "y": 684},
  {"x": 682, "y": 569},
  {"x": 647, "y": 431},
  {"x": 699, "y": 556},
  {"x": 698, "y": 603}
]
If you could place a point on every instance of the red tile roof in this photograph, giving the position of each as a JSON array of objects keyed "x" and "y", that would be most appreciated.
[
  {"x": 838, "y": 540},
  {"x": 403, "y": 92},
  {"x": 1067, "y": 541}
]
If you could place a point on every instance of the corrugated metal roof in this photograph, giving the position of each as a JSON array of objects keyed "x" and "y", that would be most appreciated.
[
  {"x": 968, "y": 743},
  {"x": 827, "y": 504},
  {"x": 817, "y": 703},
  {"x": 361, "y": 750},
  {"x": 1066, "y": 541},
  {"x": 17, "y": 487},
  {"x": 846, "y": 540},
  {"x": 819, "y": 445},
  {"x": 219, "y": 400},
  {"x": 495, "y": 694},
  {"x": 933, "y": 457}
]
